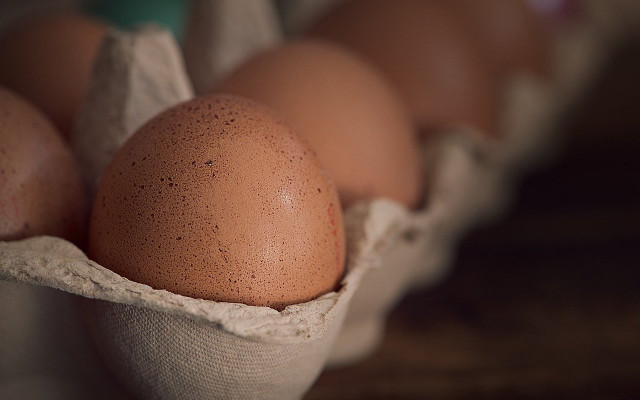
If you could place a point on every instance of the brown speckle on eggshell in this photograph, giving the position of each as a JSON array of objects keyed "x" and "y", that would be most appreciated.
[
  {"x": 348, "y": 112},
  {"x": 217, "y": 198}
]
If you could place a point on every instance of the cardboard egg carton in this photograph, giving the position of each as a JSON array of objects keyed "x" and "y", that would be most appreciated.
[
  {"x": 473, "y": 177},
  {"x": 162, "y": 345}
]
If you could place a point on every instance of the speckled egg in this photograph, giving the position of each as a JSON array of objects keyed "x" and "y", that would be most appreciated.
[
  {"x": 41, "y": 191},
  {"x": 348, "y": 112},
  {"x": 430, "y": 56},
  {"x": 217, "y": 198}
]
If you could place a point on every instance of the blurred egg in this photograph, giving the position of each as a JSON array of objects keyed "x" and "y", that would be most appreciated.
[
  {"x": 217, "y": 198},
  {"x": 40, "y": 189},
  {"x": 48, "y": 60},
  {"x": 427, "y": 52},
  {"x": 347, "y": 112},
  {"x": 512, "y": 33}
]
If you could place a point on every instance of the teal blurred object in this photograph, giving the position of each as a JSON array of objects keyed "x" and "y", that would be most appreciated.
[{"x": 128, "y": 13}]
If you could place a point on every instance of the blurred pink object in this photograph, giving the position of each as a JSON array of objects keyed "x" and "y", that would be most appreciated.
[{"x": 557, "y": 12}]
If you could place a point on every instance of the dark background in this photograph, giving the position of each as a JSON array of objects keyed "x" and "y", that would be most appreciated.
[{"x": 546, "y": 302}]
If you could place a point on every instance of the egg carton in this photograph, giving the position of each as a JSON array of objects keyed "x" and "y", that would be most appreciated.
[
  {"x": 162, "y": 345},
  {"x": 475, "y": 177}
]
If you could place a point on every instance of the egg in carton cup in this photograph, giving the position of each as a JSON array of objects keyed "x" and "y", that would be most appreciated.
[
  {"x": 472, "y": 178},
  {"x": 159, "y": 344},
  {"x": 162, "y": 345},
  {"x": 420, "y": 240}
]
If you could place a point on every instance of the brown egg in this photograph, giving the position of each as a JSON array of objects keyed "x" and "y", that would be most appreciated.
[
  {"x": 217, "y": 198},
  {"x": 48, "y": 60},
  {"x": 40, "y": 189},
  {"x": 512, "y": 34},
  {"x": 427, "y": 52},
  {"x": 349, "y": 114}
]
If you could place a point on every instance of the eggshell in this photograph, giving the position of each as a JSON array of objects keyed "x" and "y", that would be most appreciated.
[
  {"x": 427, "y": 52},
  {"x": 48, "y": 60},
  {"x": 346, "y": 110},
  {"x": 512, "y": 33},
  {"x": 217, "y": 198},
  {"x": 40, "y": 188}
]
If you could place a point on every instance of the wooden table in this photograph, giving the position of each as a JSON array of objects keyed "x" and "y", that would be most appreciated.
[{"x": 544, "y": 304}]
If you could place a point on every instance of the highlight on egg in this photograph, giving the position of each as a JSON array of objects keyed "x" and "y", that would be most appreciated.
[
  {"x": 427, "y": 52},
  {"x": 41, "y": 191},
  {"x": 48, "y": 60},
  {"x": 217, "y": 198},
  {"x": 350, "y": 115}
]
